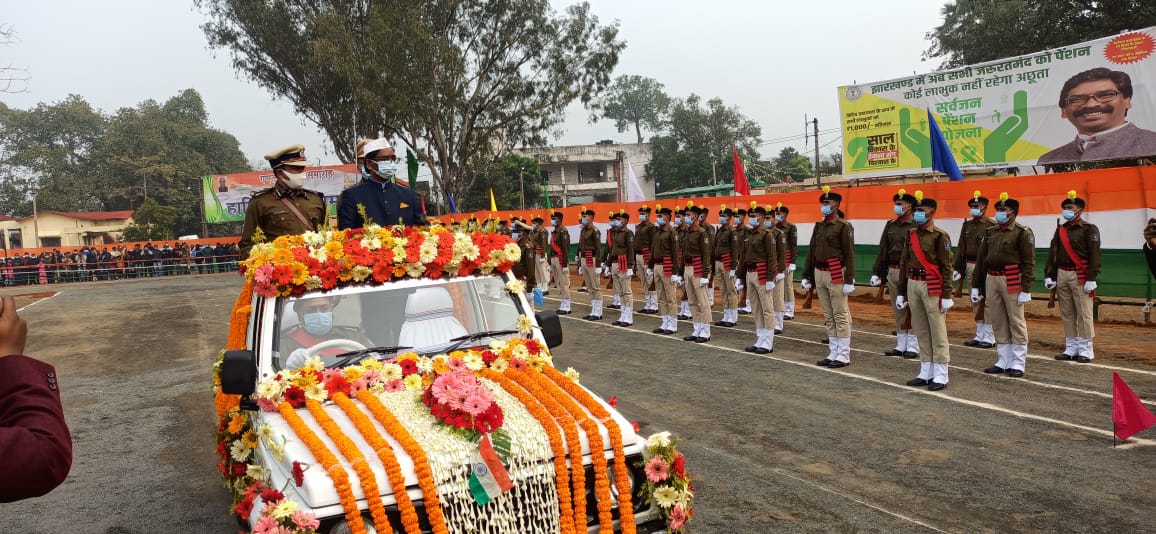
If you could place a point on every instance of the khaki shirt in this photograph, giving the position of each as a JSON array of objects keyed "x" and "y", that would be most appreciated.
[
  {"x": 832, "y": 238},
  {"x": 644, "y": 235},
  {"x": 969, "y": 239},
  {"x": 590, "y": 239},
  {"x": 759, "y": 246},
  {"x": 541, "y": 240},
  {"x": 726, "y": 241},
  {"x": 935, "y": 243},
  {"x": 666, "y": 244},
  {"x": 697, "y": 245},
  {"x": 792, "y": 232},
  {"x": 891, "y": 245},
  {"x": 621, "y": 243},
  {"x": 267, "y": 212},
  {"x": 561, "y": 244},
  {"x": 1085, "y": 240},
  {"x": 780, "y": 249},
  {"x": 1013, "y": 245}
]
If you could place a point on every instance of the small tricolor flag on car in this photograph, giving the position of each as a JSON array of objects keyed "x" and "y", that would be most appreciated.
[{"x": 488, "y": 477}]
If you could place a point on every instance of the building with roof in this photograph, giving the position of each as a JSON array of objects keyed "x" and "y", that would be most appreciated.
[
  {"x": 64, "y": 229},
  {"x": 580, "y": 174}
]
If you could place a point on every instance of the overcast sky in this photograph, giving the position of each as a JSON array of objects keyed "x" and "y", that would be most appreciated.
[{"x": 775, "y": 60}]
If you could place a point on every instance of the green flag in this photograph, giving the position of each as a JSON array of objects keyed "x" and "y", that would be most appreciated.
[
  {"x": 411, "y": 163},
  {"x": 545, "y": 184}
]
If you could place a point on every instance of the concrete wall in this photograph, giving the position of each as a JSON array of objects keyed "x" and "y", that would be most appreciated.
[
  {"x": 52, "y": 226},
  {"x": 590, "y": 173}
]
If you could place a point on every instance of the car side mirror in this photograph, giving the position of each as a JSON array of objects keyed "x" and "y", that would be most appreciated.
[
  {"x": 551, "y": 327},
  {"x": 239, "y": 372}
]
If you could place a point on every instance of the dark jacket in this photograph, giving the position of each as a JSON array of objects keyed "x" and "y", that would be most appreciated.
[
  {"x": 35, "y": 446},
  {"x": 386, "y": 204}
]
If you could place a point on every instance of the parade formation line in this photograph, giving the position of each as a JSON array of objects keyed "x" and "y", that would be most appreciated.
[{"x": 1132, "y": 442}]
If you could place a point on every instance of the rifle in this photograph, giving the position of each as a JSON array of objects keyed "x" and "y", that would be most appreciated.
[
  {"x": 879, "y": 293},
  {"x": 958, "y": 289},
  {"x": 810, "y": 297},
  {"x": 979, "y": 307},
  {"x": 1052, "y": 298},
  {"x": 907, "y": 318}
]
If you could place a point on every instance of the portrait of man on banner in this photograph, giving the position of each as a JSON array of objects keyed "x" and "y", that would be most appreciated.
[{"x": 1096, "y": 102}]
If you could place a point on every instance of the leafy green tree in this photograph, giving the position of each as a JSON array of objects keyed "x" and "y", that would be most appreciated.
[
  {"x": 457, "y": 81},
  {"x": 698, "y": 136},
  {"x": 151, "y": 221},
  {"x": 636, "y": 101},
  {"x": 503, "y": 177},
  {"x": 975, "y": 31},
  {"x": 831, "y": 164},
  {"x": 793, "y": 164}
]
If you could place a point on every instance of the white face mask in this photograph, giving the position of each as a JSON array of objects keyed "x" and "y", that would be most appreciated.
[
  {"x": 387, "y": 168},
  {"x": 295, "y": 181}
]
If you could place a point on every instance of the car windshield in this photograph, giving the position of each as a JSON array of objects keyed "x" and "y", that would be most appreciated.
[{"x": 423, "y": 316}]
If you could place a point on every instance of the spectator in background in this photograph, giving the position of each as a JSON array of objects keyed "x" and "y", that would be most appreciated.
[{"x": 1150, "y": 245}]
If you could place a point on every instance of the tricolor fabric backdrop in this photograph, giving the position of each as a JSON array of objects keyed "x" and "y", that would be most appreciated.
[
  {"x": 1004, "y": 113},
  {"x": 227, "y": 195}
]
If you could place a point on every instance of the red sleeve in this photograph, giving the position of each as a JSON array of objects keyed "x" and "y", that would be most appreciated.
[{"x": 35, "y": 446}]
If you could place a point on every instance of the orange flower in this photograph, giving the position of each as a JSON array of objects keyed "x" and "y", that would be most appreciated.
[
  {"x": 420, "y": 463},
  {"x": 329, "y": 462},
  {"x": 384, "y": 451},
  {"x": 621, "y": 474},
  {"x": 236, "y": 424},
  {"x": 573, "y": 441},
  {"x": 351, "y": 453},
  {"x": 561, "y": 473}
]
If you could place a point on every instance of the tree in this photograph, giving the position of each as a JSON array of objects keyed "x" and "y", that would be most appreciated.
[
  {"x": 831, "y": 164},
  {"x": 698, "y": 136},
  {"x": 634, "y": 101},
  {"x": 503, "y": 177},
  {"x": 975, "y": 31},
  {"x": 458, "y": 81},
  {"x": 790, "y": 163},
  {"x": 151, "y": 221},
  {"x": 12, "y": 79}
]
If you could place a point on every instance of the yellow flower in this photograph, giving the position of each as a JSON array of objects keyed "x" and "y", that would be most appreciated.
[
  {"x": 284, "y": 509},
  {"x": 282, "y": 256},
  {"x": 390, "y": 371},
  {"x": 572, "y": 374},
  {"x": 278, "y": 451},
  {"x": 352, "y": 373},
  {"x": 317, "y": 392},
  {"x": 440, "y": 365},
  {"x": 250, "y": 439},
  {"x": 407, "y": 356},
  {"x": 313, "y": 364},
  {"x": 372, "y": 365},
  {"x": 265, "y": 432},
  {"x": 515, "y": 286},
  {"x": 413, "y": 382},
  {"x": 525, "y": 325},
  {"x": 499, "y": 365},
  {"x": 474, "y": 362},
  {"x": 666, "y": 496}
]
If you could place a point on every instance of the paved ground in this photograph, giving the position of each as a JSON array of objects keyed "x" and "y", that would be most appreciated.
[{"x": 774, "y": 441}]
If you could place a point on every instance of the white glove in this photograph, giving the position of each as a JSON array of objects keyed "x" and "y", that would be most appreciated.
[
  {"x": 791, "y": 267},
  {"x": 738, "y": 285},
  {"x": 296, "y": 359},
  {"x": 629, "y": 273},
  {"x": 1049, "y": 283},
  {"x": 1024, "y": 298},
  {"x": 974, "y": 295},
  {"x": 875, "y": 281},
  {"x": 848, "y": 289},
  {"x": 945, "y": 304},
  {"x": 770, "y": 286},
  {"x": 780, "y": 277},
  {"x": 566, "y": 270},
  {"x": 702, "y": 282},
  {"x": 676, "y": 279},
  {"x": 805, "y": 284},
  {"x": 649, "y": 272},
  {"x": 900, "y": 302},
  {"x": 1089, "y": 286},
  {"x": 597, "y": 271},
  {"x": 731, "y": 273},
  {"x": 955, "y": 276},
  {"x": 541, "y": 260},
  {"x": 578, "y": 259}
]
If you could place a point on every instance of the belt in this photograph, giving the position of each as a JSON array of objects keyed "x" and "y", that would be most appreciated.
[
  {"x": 997, "y": 272},
  {"x": 917, "y": 274},
  {"x": 892, "y": 264},
  {"x": 1069, "y": 267}
]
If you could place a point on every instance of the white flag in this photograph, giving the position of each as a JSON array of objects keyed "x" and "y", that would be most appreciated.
[{"x": 633, "y": 188}]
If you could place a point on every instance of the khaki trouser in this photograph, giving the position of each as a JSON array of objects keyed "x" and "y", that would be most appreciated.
[
  {"x": 642, "y": 276},
  {"x": 563, "y": 279},
  {"x": 667, "y": 297},
  {"x": 836, "y": 314},
  {"x": 760, "y": 299},
  {"x": 542, "y": 271},
  {"x": 696, "y": 296},
  {"x": 529, "y": 264},
  {"x": 893, "y": 279},
  {"x": 928, "y": 324},
  {"x": 778, "y": 296},
  {"x": 726, "y": 284},
  {"x": 591, "y": 278},
  {"x": 1075, "y": 306},
  {"x": 788, "y": 284},
  {"x": 1005, "y": 316},
  {"x": 622, "y": 285}
]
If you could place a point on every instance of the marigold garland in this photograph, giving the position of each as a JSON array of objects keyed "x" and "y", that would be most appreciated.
[
  {"x": 329, "y": 462},
  {"x": 561, "y": 473},
  {"x": 421, "y": 466},
  {"x": 597, "y": 452},
  {"x": 621, "y": 475},
  {"x": 573, "y": 442},
  {"x": 389, "y": 461},
  {"x": 351, "y": 453}
]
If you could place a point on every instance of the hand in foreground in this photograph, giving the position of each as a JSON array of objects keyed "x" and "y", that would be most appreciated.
[{"x": 13, "y": 329}]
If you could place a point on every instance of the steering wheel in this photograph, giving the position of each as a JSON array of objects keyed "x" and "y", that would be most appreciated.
[{"x": 315, "y": 350}]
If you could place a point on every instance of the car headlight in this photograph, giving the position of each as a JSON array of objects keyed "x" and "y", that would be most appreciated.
[{"x": 342, "y": 527}]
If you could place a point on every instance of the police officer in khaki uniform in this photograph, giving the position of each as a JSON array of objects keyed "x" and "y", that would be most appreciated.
[
  {"x": 696, "y": 268},
  {"x": 1004, "y": 271},
  {"x": 664, "y": 265},
  {"x": 287, "y": 208},
  {"x": 589, "y": 255},
  {"x": 541, "y": 239},
  {"x": 891, "y": 246},
  {"x": 757, "y": 273},
  {"x": 682, "y": 219},
  {"x": 524, "y": 269},
  {"x": 831, "y": 265},
  {"x": 727, "y": 253},
  {"x": 926, "y": 264},
  {"x": 741, "y": 229},
  {"x": 970, "y": 237},
  {"x": 778, "y": 297},
  {"x": 703, "y": 215},
  {"x": 619, "y": 263},
  {"x": 792, "y": 233},
  {"x": 1071, "y": 271},
  {"x": 643, "y": 237},
  {"x": 559, "y": 252}
]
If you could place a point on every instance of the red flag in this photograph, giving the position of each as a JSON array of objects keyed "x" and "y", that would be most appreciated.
[
  {"x": 1129, "y": 415},
  {"x": 742, "y": 187}
]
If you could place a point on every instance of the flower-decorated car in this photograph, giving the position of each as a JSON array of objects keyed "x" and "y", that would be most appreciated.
[{"x": 397, "y": 380}]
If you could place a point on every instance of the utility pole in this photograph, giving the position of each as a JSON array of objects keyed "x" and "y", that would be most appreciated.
[
  {"x": 818, "y": 180},
  {"x": 35, "y": 222},
  {"x": 713, "y": 173},
  {"x": 522, "y": 184}
]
